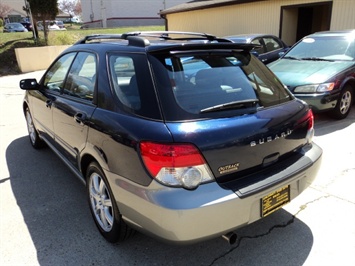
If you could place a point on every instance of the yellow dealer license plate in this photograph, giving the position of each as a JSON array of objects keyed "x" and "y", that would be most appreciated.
[{"x": 275, "y": 200}]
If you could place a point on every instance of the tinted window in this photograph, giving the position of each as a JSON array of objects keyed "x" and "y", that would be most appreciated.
[
  {"x": 124, "y": 81},
  {"x": 82, "y": 77},
  {"x": 132, "y": 84},
  {"x": 259, "y": 50},
  {"x": 203, "y": 81},
  {"x": 54, "y": 78},
  {"x": 271, "y": 44}
]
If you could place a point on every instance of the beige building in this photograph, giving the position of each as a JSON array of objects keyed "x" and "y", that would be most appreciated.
[{"x": 288, "y": 19}]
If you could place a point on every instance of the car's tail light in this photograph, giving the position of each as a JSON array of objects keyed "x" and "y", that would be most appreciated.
[
  {"x": 309, "y": 119},
  {"x": 178, "y": 165}
]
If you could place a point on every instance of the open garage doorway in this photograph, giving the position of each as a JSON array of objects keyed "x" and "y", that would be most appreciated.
[{"x": 298, "y": 21}]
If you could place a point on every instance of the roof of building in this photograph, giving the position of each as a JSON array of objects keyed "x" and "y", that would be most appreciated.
[
  {"x": 16, "y": 12},
  {"x": 62, "y": 14},
  {"x": 203, "y": 4}
]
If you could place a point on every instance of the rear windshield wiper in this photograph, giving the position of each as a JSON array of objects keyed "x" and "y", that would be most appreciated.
[{"x": 231, "y": 105}]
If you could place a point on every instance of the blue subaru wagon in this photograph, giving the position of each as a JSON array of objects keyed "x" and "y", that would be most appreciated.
[{"x": 182, "y": 136}]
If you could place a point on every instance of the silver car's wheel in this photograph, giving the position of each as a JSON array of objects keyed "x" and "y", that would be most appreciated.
[
  {"x": 32, "y": 132},
  {"x": 103, "y": 206},
  {"x": 343, "y": 106},
  {"x": 345, "y": 102}
]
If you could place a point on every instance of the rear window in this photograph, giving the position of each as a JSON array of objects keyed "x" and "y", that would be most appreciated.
[
  {"x": 132, "y": 84},
  {"x": 206, "y": 83}
]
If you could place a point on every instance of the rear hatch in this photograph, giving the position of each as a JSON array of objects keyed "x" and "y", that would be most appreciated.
[
  {"x": 239, "y": 146},
  {"x": 233, "y": 109}
]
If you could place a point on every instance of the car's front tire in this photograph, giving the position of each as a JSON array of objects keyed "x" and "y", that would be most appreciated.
[
  {"x": 343, "y": 105},
  {"x": 103, "y": 206},
  {"x": 35, "y": 140}
]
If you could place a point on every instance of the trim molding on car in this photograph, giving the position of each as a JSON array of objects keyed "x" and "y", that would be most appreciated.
[{"x": 66, "y": 161}]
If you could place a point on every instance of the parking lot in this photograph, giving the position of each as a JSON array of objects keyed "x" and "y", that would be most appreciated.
[{"x": 45, "y": 219}]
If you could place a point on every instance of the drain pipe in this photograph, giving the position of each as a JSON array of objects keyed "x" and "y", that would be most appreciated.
[{"x": 230, "y": 237}]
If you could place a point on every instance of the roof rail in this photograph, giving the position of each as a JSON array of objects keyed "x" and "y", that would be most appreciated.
[
  {"x": 132, "y": 39},
  {"x": 136, "y": 38},
  {"x": 99, "y": 37},
  {"x": 165, "y": 34}
]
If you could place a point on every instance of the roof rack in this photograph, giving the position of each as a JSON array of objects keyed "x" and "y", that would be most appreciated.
[
  {"x": 99, "y": 37},
  {"x": 165, "y": 34},
  {"x": 137, "y": 38}
]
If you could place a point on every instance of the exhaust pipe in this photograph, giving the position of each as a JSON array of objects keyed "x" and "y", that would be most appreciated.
[{"x": 231, "y": 238}]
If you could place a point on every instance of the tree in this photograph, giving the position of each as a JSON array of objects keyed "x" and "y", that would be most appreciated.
[
  {"x": 4, "y": 10},
  {"x": 67, "y": 6},
  {"x": 77, "y": 9},
  {"x": 43, "y": 10}
]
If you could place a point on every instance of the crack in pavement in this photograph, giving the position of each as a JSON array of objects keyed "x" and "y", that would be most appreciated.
[
  {"x": 4, "y": 180},
  {"x": 239, "y": 240},
  {"x": 341, "y": 174},
  {"x": 325, "y": 188},
  {"x": 334, "y": 196}
]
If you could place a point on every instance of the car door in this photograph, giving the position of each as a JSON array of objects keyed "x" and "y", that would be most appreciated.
[
  {"x": 51, "y": 86},
  {"x": 74, "y": 107},
  {"x": 273, "y": 47},
  {"x": 261, "y": 49}
]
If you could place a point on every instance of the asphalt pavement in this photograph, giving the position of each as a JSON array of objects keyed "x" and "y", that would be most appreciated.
[{"x": 45, "y": 219}]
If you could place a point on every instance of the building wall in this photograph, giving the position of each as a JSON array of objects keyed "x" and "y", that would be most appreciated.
[
  {"x": 257, "y": 17},
  {"x": 343, "y": 16},
  {"x": 113, "y": 13},
  {"x": 253, "y": 17}
]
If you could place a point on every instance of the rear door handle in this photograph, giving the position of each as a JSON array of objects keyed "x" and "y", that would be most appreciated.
[{"x": 80, "y": 118}]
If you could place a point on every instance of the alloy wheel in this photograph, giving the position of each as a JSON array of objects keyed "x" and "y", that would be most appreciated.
[
  {"x": 345, "y": 102},
  {"x": 30, "y": 127},
  {"x": 101, "y": 202}
]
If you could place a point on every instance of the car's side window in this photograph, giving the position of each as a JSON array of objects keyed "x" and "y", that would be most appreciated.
[
  {"x": 259, "y": 50},
  {"x": 123, "y": 75},
  {"x": 55, "y": 77},
  {"x": 271, "y": 44},
  {"x": 82, "y": 77}
]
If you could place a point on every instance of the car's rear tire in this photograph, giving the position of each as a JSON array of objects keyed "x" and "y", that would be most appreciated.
[
  {"x": 35, "y": 140},
  {"x": 344, "y": 103},
  {"x": 103, "y": 206}
]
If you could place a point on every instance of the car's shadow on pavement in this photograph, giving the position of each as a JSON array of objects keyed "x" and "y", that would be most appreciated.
[
  {"x": 325, "y": 124},
  {"x": 55, "y": 210}
]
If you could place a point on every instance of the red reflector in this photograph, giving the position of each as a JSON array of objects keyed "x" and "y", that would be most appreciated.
[
  {"x": 310, "y": 118},
  {"x": 157, "y": 156}
]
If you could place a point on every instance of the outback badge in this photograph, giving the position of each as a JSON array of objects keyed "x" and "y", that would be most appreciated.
[{"x": 228, "y": 168}]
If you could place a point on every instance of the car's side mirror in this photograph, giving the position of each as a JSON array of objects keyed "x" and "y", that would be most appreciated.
[
  {"x": 29, "y": 84},
  {"x": 281, "y": 54}
]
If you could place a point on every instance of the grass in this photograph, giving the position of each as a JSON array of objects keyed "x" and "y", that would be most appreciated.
[{"x": 10, "y": 41}]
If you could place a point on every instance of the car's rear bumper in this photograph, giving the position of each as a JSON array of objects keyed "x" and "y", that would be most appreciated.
[
  {"x": 182, "y": 216},
  {"x": 319, "y": 102}
]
